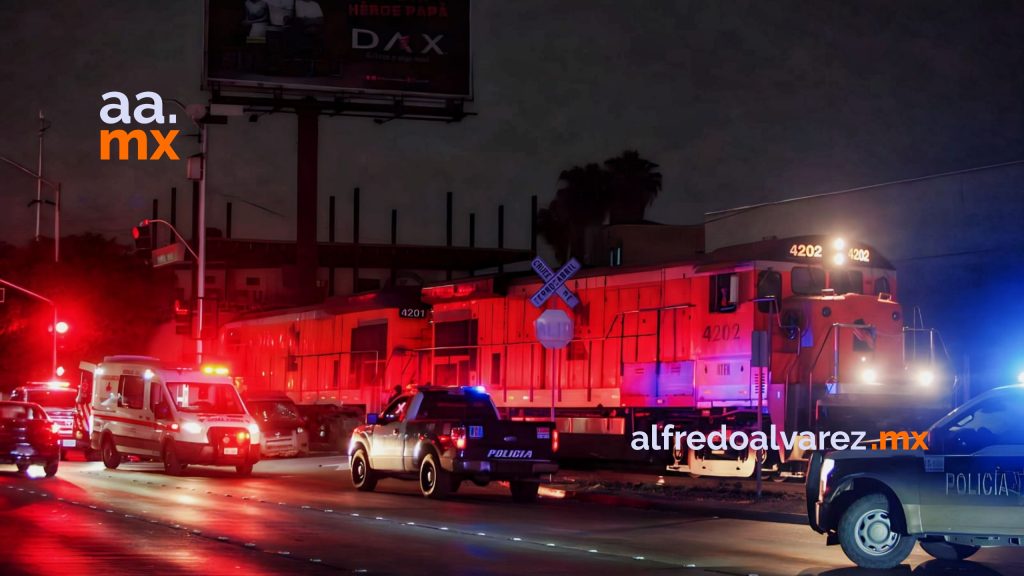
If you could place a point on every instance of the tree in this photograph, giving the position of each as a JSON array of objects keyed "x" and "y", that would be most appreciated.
[
  {"x": 113, "y": 301},
  {"x": 633, "y": 184},
  {"x": 580, "y": 202},
  {"x": 619, "y": 192}
]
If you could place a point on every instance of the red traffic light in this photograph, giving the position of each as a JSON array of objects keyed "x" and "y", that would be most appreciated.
[{"x": 135, "y": 233}]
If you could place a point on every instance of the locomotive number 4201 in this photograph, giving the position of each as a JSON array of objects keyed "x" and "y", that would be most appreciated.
[{"x": 719, "y": 332}]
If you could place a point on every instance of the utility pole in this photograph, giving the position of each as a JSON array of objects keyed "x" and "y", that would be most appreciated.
[{"x": 43, "y": 125}]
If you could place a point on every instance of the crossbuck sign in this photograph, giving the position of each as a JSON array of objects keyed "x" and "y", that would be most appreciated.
[{"x": 554, "y": 282}]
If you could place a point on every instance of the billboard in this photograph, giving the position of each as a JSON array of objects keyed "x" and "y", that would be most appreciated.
[{"x": 416, "y": 47}]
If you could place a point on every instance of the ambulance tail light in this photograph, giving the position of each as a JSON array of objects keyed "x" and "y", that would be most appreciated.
[
  {"x": 242, "y": 437},
  {"x": 174, "y": 426},
  {"x": 459, "y": 437}
]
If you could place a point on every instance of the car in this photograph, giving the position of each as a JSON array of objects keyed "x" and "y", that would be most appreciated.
[
  {"x": 282, "y": 429},
  {"x": 58, "y": 400},
  {"x": 28, "y": 436},
  {"x": 442, "y": 436},
  {"x": 962, "y": 492},
  {"x": 330, "y": 425}
]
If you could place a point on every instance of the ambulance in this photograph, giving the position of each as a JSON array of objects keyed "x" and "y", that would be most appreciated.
[{"x": 146, "y": 408}]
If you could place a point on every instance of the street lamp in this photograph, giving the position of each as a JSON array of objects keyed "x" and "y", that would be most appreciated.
[
  {"x": 55, "y": 186},
  {"x": 54, "y": 328}
]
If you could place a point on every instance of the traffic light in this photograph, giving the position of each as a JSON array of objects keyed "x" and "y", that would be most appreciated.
[{"x": 143, "y": 237}]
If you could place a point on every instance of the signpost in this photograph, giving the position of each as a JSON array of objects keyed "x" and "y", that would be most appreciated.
[{"x": 554, "y": 328}]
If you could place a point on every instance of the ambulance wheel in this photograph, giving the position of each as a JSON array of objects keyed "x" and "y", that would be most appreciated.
[
  {"x": 22, "y": 467},
  {"x": 942, "y": 550},
  {"x": 244, "y": 470},
  {"x": 524, "y": 492},
  {"x": 435, "y": 481},
  {"x": 111, "y": 457},
  {"x": 172, "y": 465},
  {"x": 363, "y": 477},
  {"x": 869, "y": 536},
  {"x": 51, "y": 467}
]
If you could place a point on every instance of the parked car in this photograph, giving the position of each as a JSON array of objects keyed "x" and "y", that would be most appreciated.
[
  {"x": 283, "y": 432},
  {"x": 330, "y": 426},
  {"x": 28, "y": 436},
  {"x": 58, "y": 401}
]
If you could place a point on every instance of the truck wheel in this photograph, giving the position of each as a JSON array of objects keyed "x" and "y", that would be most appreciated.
[
  {"x": 435, "y": 481},
  {"x": 244, "y": 470},
  {"x": 942, "y": 550},
  {"x": 172, "y": 465},
  {"x": 868, "y": 537},
  {"x": 524, "y": 492},
  {"x": 108, "y": 452},
  {"x": 363, "y": 477},
  {"x": 51, "y": 467}
]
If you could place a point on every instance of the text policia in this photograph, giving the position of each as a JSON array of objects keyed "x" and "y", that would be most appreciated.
[{"x": 668, "y": 438}]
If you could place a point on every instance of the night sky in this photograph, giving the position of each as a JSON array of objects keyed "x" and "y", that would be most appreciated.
[{"x": 739, "y": 102}]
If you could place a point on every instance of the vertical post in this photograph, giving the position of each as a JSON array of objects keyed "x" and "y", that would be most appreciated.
[
  {"x": 53, "y": 328},
  {"x": 152, "y": 226},
  {"x": 174, "y": 213},
  {"x": 533, "y": 224},
  {"x": 394, "y": 241},
  {"x": 330, "y": 238},
  {"x": 227, "y": 226},
  {"x": 355, "y": 238},
  {"x": 56, "y": 224},
  {"x": 448, "y": 229},
  {"x": 472, "y": 230},
  {"x": 39, "y": 172},
  {"x": 501, "y": 232},
  {"x": 201, "y": 264},
  {"x": 306, "y": 259}
]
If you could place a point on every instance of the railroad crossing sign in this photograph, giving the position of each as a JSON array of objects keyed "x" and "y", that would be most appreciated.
[{"x": 554, "y": 282}]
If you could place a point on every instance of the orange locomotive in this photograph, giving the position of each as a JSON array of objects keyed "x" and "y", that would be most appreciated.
[{"x": 685, "y": 343}]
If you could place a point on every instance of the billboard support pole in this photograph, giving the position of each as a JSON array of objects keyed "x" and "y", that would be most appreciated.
[{"x": 306, "y": 259}]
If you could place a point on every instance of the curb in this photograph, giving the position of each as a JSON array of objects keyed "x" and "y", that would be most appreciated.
[{"x": 710, "y": 510}]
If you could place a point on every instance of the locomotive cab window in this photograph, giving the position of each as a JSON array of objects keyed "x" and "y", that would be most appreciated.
[
  {"x": 882, "y": 285},
  {"x": 769, "y": 285},
  {"x": 847, "y": 281},
  {"x": 724, "y": 293},
  {"x": 807, "y": 280}
]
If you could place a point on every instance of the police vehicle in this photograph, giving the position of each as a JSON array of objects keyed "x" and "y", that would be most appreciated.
[{"x": 960, "y": 493}]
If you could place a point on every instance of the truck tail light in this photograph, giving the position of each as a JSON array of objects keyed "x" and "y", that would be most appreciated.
[
  {"x": 242, "y": 437},
  {"x": 459, "y": 437},
  {"x": 55, "y": 428},
  {"x": 554, "y": 440}
]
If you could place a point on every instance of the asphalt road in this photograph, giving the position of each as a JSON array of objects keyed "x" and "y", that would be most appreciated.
[{"x": 303, "y": 517}]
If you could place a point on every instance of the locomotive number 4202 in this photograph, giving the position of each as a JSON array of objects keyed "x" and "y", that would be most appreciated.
[{"x": 719, "y": 332}]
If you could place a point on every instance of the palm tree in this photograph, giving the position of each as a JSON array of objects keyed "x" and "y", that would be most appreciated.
[
  {"x": 618, "y": 192},
  {"x": 633, "y": 184},
  {"x": 580, "y": 202}
]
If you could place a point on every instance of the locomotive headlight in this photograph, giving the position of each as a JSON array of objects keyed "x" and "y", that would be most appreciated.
[
  {"x": 839, "y": 259},
  {"x": 869, "y": 376},
  {"x": 925, "y": 377},
  {"x": 839, "y": 243}
]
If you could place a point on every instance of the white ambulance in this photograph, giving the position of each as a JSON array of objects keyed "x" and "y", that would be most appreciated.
[{"x": 143, "y": 407}]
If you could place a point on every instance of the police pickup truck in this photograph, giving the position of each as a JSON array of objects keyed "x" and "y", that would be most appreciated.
[
  {"x": 442, "y": 436},
  {"x": 960, "y": 493}
]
